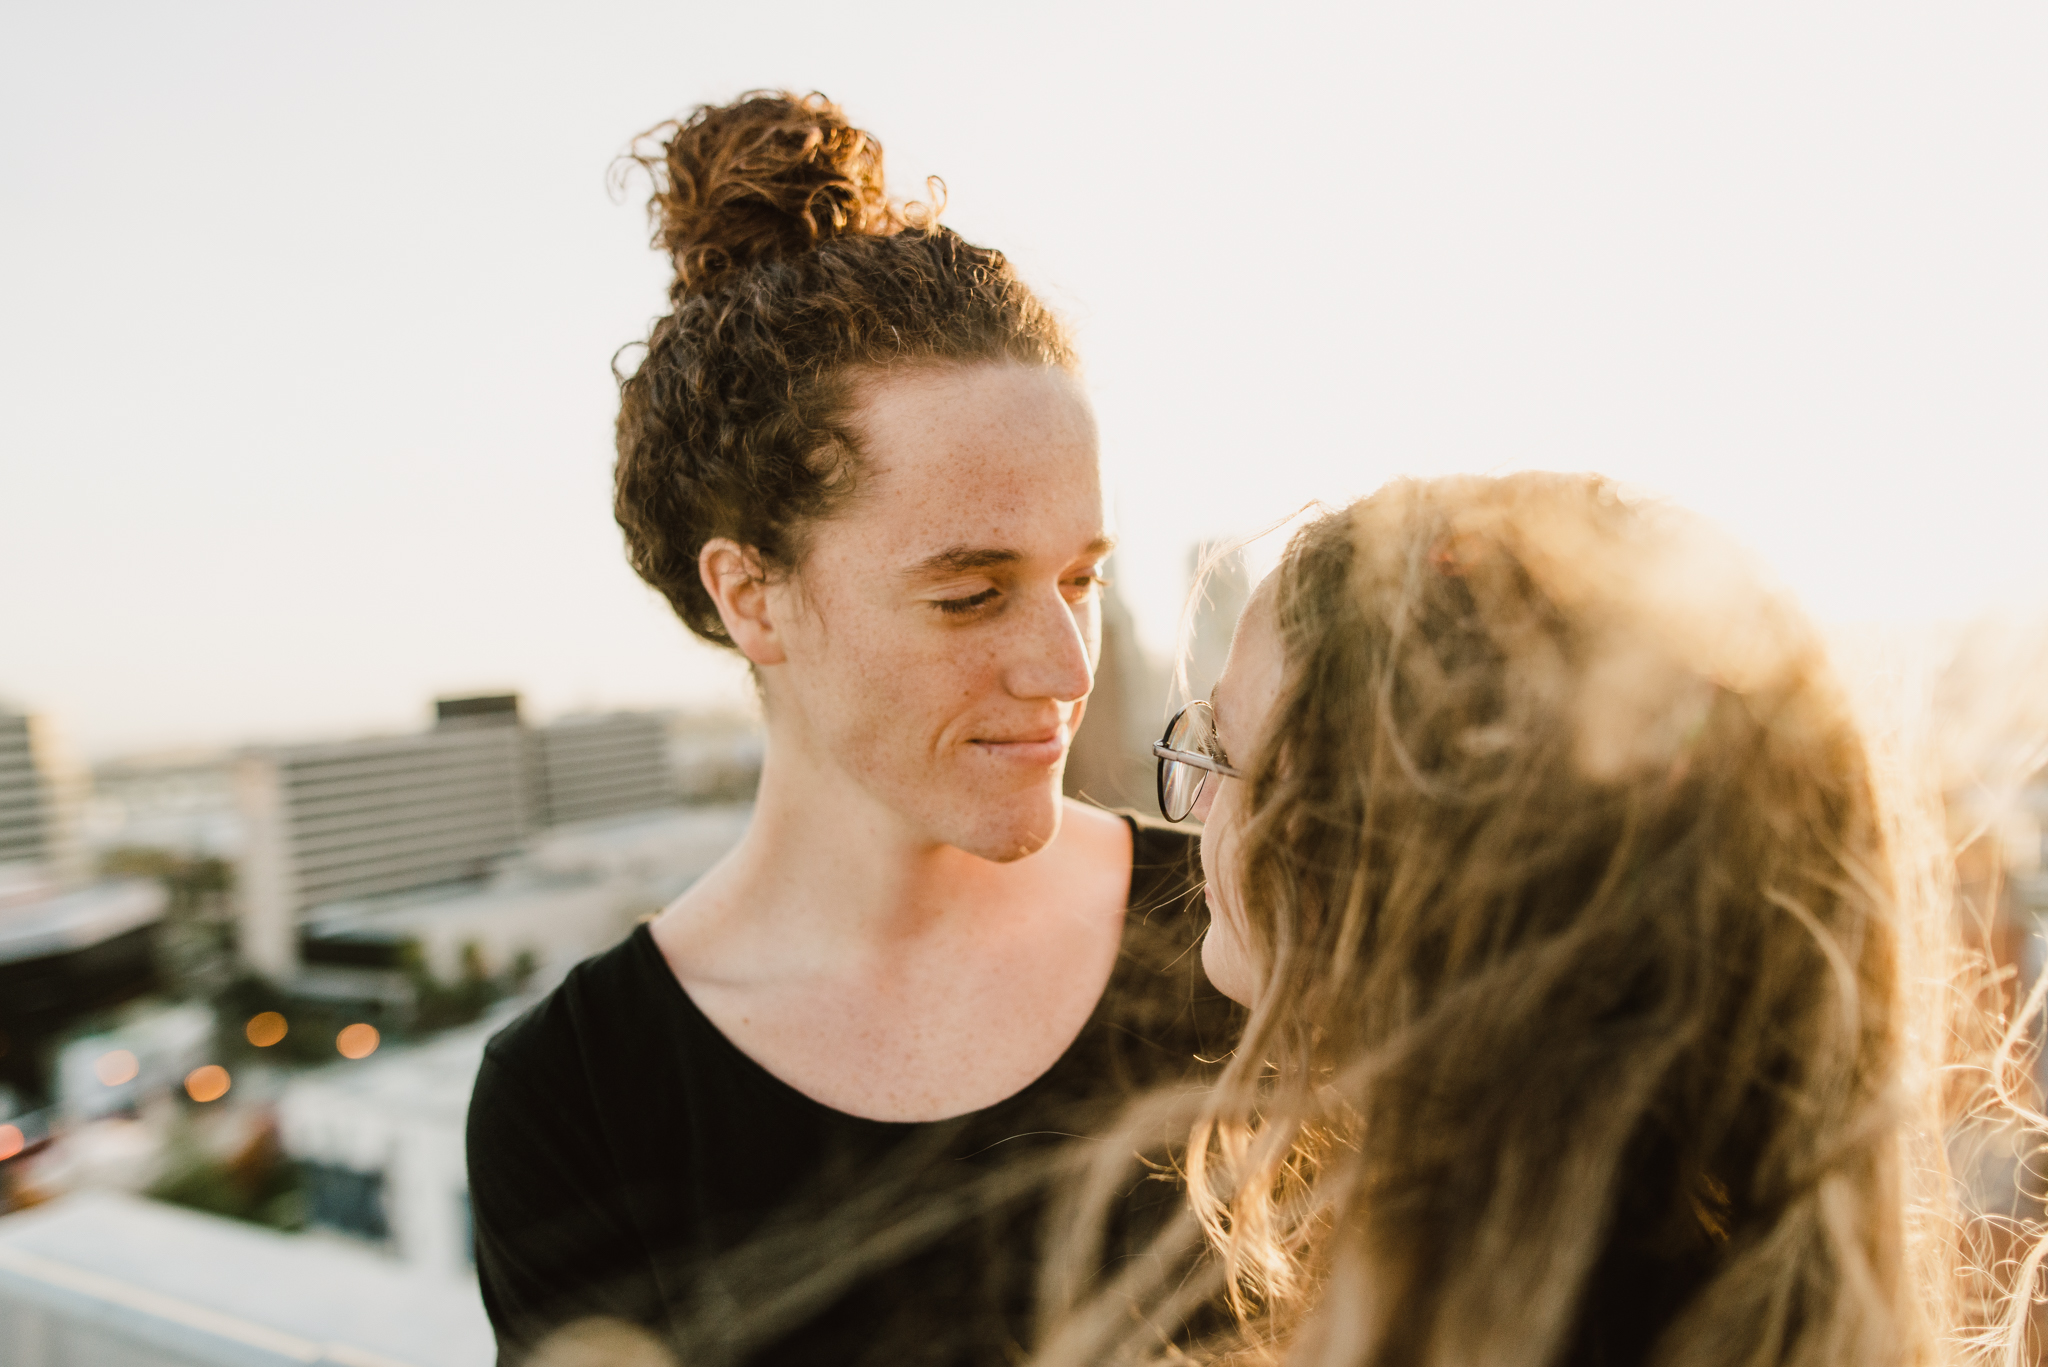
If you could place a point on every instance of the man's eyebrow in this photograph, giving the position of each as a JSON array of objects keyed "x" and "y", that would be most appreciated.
[{"x": 962, "y": 559}]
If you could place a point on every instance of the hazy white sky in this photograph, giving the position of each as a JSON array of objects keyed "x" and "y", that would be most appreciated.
[{"x": 306, "y": 310}]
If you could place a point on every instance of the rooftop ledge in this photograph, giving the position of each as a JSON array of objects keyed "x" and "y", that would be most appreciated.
[{"x": 119, "y": 1270}]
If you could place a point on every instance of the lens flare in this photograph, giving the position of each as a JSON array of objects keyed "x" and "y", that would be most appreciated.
[
  {"x": 115, "y": 1068},
  {"x": 357, "y": 1041},
  {"x": 265, "y": 1028},
  {"x": 10, "y": 1141},
  {"x": 207, "y": 1083}
]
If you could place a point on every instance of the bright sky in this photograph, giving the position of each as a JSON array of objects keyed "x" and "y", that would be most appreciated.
[{"x": 306, "y": 310}]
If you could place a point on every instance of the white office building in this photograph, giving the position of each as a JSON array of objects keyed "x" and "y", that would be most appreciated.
[
  {"x": 21, "y": 794},
  {"x": 40, "y": 795},
  {"x": 591, "y": 767},
  {"x": 574, "y": 891},
  {"x": 328, "y": 823},
  {"x": 355, "y": 823}
]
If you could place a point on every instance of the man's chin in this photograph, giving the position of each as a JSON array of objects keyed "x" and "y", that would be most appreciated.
[{"x": 1016, "y": 833}]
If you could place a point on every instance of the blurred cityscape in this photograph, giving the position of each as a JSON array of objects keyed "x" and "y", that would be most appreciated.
[{"x": 243, "y": 994}]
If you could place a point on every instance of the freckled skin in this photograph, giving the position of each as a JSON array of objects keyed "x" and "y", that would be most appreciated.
[
  {"x": 895, "y": 693},
  {"x": 917, "y": 924}
]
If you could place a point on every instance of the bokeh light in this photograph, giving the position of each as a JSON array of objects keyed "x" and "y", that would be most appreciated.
[
  {"x": 207, "y": 1083},
  {"x": 265, "y": 1028},
  {"x": 10, "y": 1141},
  {"x": 116, "y": 1067},
  {"x": 357, "y": 1041}
]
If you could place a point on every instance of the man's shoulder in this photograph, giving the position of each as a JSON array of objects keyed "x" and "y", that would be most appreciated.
[
  {"x": 1166, "y": 860},
  {"x": 587, "y": 1011}
]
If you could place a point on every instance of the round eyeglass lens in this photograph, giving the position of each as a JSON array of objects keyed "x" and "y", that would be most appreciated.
[{"x": 1181, "y": 784}]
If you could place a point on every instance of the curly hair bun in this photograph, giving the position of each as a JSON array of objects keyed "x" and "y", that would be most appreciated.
[
  {"x": 764, "y": 178},
  {"x": 794, "y": 269}
]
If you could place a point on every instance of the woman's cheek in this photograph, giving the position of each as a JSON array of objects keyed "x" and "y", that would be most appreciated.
[{"x": 1224, "y": 957}]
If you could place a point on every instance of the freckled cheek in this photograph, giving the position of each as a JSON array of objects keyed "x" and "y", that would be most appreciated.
[{"x": 920, "y": 696}]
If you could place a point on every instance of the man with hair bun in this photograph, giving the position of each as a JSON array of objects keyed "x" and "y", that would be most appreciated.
[{"x": 799, "y": 1117}]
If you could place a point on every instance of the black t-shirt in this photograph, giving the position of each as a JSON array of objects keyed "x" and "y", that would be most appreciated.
[{"x": 627, "y": 1160}]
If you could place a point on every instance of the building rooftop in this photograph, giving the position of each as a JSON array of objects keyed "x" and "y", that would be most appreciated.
[
  {"x": 129, "y": 1273},
  {"x": 42, "y": 926}
]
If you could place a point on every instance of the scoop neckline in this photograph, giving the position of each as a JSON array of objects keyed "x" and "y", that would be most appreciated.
[{"x": 643, "y": 940}]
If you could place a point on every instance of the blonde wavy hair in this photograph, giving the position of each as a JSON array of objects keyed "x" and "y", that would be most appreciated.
[{"x": 1611, "y": 1011}]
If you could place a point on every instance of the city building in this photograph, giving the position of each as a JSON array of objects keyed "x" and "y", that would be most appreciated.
[
  {"x": 380, "y": 1144},
  {"x": 40, "y": 795},
  {"x": 715, "y": 756},
  {"x": 180, "y": 802},
  {"x": 328, "y": 822},
  {"x": 352, "y": 821},
  {"x": 69, "y": 947},
  {"x": 573, "y": 891},
  {"x": 22, "y": 834},
  {"x": 591, "y": 767}
]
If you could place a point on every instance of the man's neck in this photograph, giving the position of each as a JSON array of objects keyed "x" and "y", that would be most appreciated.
[
  {"x": 827, "y": 876},
  {"x": 892, "y": 977}
]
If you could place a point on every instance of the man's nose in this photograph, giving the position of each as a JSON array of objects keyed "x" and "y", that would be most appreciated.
[{"x": 1055, "y": 657}]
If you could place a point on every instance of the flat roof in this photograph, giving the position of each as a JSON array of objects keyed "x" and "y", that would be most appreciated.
[
  {"x": 77, "y": 920},
  {"x": 217, "y": 1290}
]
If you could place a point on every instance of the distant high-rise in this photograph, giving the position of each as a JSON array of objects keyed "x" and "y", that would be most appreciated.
[
  {"x": 23, "y": 838},
  {"x": 600, "y": 766},
  {"x": 358, "y": 818},
  {"x": 355, "y": 819},
  {"x": 40, "y": 796},
  {"x": 68, "y": 947}
]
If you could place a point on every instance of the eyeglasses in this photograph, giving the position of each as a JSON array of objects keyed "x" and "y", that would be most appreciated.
[{"x": 1188, "y": 754}]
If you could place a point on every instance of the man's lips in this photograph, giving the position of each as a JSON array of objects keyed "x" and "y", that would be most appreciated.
[{"x": 1041, "y": 747}]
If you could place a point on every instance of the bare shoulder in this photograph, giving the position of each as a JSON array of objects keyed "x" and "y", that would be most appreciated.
[
  {"x": 1094, "y": 826},
  {"x": 1097, "y": 836},
  {"x": 1093, "y": 850}
]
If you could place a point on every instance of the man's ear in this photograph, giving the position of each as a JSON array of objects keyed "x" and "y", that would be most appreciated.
[{"x": 732, "y": 575}]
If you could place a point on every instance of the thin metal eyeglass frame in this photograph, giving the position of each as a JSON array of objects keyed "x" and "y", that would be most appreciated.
[{"x": 1166, "y": 754}]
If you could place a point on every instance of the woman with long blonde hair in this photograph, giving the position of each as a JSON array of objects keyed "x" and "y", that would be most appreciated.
[{"x": 1596, "y": 969}]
